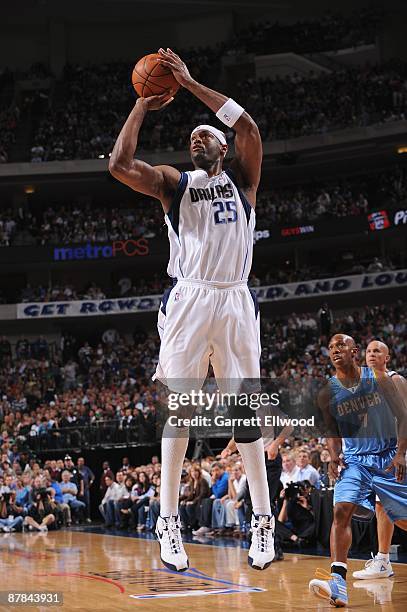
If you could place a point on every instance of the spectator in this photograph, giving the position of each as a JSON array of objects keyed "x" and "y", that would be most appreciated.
[
  {"x": 55, "y": 491},
  {"x": 76, "y": 476},
  {"x": 69, "y": 494},
  {"x": 5, "y": 349},
  {"x": 325, "y": 459},
  {"x": 235, "y": 510},
  {"x": 112, "y": 494},
  {"x": 290, "y": 471},
  {"x": 138, "y": 509},
  {"x": 43, "y": 512},
  {"x": 106, "y": 472},
  {"x": 11, "y": 515},
  {"x": 124, "y": 502},
  {"x": 88, "y": 478},
  {"x": 154, "y": 509},
  {"x": 325, "y": 320},
  {"x": 190, "y": 502},
  {"x": 212, "y": 510},
  {"x": 305, "y": 469},
  {"x": 22, "y": 348},
  {"x": 23, "y": 492},
  {"x": 125, "y": 464},
  {"x": 296, "y": 522}
]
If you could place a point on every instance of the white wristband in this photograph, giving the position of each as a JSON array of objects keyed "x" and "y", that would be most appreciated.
[{"x": 230, "y": 112}]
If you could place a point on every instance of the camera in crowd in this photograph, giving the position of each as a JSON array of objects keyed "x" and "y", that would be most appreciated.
[
  {"x": 42, "y": 495},
  {"x": 294, "y": 490},
  {"x": 6, "y": 496}
]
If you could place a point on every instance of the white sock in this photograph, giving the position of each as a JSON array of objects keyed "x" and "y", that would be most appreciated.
[
  {"x": 255, "y": 466},
  {"x": 383, "y": 556},
  {"x": 173, "y": 448}
]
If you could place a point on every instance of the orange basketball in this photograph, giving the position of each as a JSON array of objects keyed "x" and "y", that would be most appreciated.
[{"x": 150, "y": 78}]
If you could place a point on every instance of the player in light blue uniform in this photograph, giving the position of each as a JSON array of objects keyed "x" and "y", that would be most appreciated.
[{"x": 359, "y": 407}]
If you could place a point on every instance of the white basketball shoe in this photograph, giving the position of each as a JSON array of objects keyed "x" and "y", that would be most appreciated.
[
  {"x": 168, "y": 532},
  {"x": 261, "y": 552},
  {"x": 375, "y": 568}
]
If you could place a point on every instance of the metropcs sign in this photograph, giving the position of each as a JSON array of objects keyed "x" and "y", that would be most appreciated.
[
  {"x": 272, "y": 293},
  {"x": 126, "y": 248}
]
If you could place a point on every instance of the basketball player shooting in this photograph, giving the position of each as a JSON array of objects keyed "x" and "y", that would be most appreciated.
[
  {"x": 210, "y": 314},
  {"x": 359, "y": 405}
]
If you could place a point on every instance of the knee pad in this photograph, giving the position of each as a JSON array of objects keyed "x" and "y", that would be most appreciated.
[{"x": 241, "y": 432}]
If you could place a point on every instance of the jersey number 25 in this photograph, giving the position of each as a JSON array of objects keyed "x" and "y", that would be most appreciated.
[{"x": 222, "y": 216}]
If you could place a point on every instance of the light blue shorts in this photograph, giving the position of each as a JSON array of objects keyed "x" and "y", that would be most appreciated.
[{"x": 364, "y": 478}]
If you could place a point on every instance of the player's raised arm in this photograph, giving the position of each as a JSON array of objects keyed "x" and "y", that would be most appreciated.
[
  {"x": 157, "y": 181},
  {"x": 248, "y": 147}
]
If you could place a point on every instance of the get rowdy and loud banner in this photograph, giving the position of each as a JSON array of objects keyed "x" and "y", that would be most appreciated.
[{"x": 148, "y": 303}]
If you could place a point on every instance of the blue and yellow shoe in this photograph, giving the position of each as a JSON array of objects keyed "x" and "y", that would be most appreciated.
[{"x": 331, "y": 587}]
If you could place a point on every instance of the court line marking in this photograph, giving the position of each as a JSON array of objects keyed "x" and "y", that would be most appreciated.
[
  {"x": 86, "y": 576},
  {"x": 199, "y": 593},
  {"x": 192, "y": 571}
]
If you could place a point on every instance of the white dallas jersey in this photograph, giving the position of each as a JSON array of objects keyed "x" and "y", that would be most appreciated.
[{"x": 210, "y": 229}]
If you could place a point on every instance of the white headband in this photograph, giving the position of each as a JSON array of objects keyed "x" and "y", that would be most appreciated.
[{"x": 213, "y": 130}]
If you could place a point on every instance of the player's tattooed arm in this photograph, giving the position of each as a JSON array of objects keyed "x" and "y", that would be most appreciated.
[
  {"x": 248, "y": 147},
  {"x": 331, "y": 431},
  {"x": 156, "y": 181}
]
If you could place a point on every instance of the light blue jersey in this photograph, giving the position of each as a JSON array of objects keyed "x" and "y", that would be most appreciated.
[
  {"x": 365, "y": 420},
  {"x": 369, "y": 442}
]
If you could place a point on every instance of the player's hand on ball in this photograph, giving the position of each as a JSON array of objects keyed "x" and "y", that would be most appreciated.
[
  {"x": 172, "y": 61},
  {"x": 155, "y": 102},
  {"x": 399, "y": 465}
]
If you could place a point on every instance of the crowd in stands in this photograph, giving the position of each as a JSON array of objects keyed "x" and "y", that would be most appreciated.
[
  {"x": 78, "y": 223},
  {"x": 98, "y": 101},
  {"x": 214, "y": 497},
  {"x": 58, "y": 292},
  {"x": 340, "y": 197},
  {"x": 293, "y": 346},
  {"x": 125, "y": 287},
  {"x": 132, "y": 285},
  {"x": 297, "y": 106},
  {"x": 40, "y": 497},
  {"x": 9, "y": 114},
  {"x": 94, "y": 100},
  {"x": 330, "y": 32}
]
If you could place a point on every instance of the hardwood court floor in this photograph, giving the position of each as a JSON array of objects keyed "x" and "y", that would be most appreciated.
[{"x": 108, "y": 572}]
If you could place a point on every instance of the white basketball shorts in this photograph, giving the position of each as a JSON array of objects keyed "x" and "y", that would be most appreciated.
[{"x": 202, "y": 322}]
